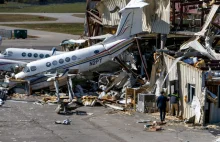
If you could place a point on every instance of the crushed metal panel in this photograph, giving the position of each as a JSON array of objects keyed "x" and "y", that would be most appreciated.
[
  {"x": 157, "y": 16},
  {"x": 109, "y": 9}
]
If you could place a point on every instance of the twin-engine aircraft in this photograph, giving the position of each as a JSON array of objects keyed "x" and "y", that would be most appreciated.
[
  {"x": 12, "y": 58},
  {"x": 91, "y": 57}
]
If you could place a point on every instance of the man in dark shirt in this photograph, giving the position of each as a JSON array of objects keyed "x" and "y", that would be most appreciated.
[
  {"x": 161, "y": 104},
  {"x": 174, "y": 101}
]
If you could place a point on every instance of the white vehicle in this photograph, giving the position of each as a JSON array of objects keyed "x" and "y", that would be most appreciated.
[{"x": 91, "y": 57}]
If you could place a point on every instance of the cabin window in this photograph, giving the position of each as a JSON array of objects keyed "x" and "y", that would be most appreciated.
[
  {"x": 67, "y": 59},
  {"x": 41, "y": 55},
  {"x": 47, "y": 55},
  {"x": 4, "y": 53},
  {"x": 61, "y": 61},
  {"x": 54, "y": 63},
  {"x": 48, "y": 64},
  {"x": 33, "y": 68},
  {"x": 35, "y": 55},
  {"x": 191, "y": 92},
  {"x": 23, "y": 54},
  {"x": 74, "y": 57},
  {"x": 29, "y": 54}
]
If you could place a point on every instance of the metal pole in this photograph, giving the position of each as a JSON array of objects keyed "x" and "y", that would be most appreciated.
[{"x": 142, "y": 60}]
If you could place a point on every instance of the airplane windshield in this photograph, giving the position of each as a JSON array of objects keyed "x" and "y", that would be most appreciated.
[
  {"x": 26, "y": 69},
  {"x": 4, "y": 53}
]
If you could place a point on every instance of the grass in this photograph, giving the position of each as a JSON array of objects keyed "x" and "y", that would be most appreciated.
[
  {"x": 79, "y": 15},
  {"x": 72, "y": 28},
  {"x": 23, "y": 18},
  {"x": 51, "y": 8}
]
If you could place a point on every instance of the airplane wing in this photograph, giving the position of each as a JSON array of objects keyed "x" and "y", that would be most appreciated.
[
  {"x": 101, "y": 36},
  {"x": 73, "y": 41}
]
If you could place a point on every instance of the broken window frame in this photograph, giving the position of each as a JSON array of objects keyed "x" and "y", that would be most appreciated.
[{"x": 191, "y": 92}]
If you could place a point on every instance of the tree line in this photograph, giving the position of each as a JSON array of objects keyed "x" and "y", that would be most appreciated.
[{"x": 46, "y": 1}]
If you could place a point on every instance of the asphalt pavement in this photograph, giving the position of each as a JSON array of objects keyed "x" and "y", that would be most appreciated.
[{"x": 30, "y": 122}]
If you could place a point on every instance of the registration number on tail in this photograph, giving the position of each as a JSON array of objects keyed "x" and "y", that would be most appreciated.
[{"x": 96, "y": 61}]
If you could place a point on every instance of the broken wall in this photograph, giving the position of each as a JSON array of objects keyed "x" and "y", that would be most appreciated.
[
  {"x": 156, "y": 16},
  {"x": 189, "y": 75},
  {"x": 185, "y": 75}
]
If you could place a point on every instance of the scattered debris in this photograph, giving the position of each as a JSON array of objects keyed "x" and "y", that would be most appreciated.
[{"x": 64, "y": 122}]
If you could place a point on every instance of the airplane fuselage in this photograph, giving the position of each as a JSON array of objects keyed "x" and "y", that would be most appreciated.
[{"x": 80, "y": 60}]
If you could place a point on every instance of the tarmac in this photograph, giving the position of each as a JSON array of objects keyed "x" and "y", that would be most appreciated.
[{"x": 30, "y": 122}]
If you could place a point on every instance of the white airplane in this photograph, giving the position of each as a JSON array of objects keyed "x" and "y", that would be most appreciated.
[
  {"x": 12, "y": 58},
  {"x": 91, "y": 57},
  {"x": 27, "y": 55}
]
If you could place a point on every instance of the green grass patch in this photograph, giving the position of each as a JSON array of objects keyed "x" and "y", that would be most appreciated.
[
  {"x": 79, "y": 15},
  {"x": 50, "y": 8},
  {"x": 23, "y": 18},
  {"x": 72, "y": 28}
]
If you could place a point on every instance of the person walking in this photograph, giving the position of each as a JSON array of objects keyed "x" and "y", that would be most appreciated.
[
  {"x": 161, "y": 104},
  {"x": 174, "y": 101}
]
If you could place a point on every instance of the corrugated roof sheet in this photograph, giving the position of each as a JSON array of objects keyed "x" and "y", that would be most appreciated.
[{"x": 156, "y": 16}]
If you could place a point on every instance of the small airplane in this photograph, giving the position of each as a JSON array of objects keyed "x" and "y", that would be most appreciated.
[
  {"x": 12, "y": 58},
  {"x": 91, "y": 57}
]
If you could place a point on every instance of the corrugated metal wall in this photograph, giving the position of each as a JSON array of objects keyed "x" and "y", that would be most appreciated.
[
  {"x": 109, "y": 11},
  {"x": 214, "y": 116},
  {"x": 190, "y": 75},
  {"x": 156, "y": 16},
  {"x": 187, "y": 75}
]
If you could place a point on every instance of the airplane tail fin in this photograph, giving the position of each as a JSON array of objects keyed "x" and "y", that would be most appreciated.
[
  {"x": 131, "y": 17},
  {"x": 54, "y": 51}
]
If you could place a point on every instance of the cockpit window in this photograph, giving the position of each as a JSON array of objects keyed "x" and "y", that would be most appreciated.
[
  {"x": 26, "y": 69},
  {"x": 23, "y": 54},
  {"x": 4, "y": 53},
  {"x": 33, "y": 68},
  {"x": 10, "y": 53}
]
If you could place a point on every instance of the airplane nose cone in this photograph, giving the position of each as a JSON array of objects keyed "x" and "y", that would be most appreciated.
[{"x": 20, "y": 75}]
